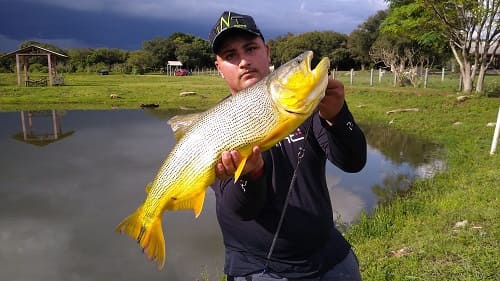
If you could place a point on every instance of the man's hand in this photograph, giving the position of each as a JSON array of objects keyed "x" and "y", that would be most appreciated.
[
  {"x": 333, "y": 101},
  {"x": 231, "y": 159}
]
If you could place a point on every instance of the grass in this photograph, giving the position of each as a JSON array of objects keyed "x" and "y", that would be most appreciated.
[
  {"x": 92, "y": 91},
  {"x": 412, "y": 237},
  {"x": 421, "y": 224}
]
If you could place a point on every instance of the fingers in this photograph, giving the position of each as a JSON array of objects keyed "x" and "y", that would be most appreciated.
[
  {"x": 231, "y": 159},
  {"x": 333, "y": 101}
]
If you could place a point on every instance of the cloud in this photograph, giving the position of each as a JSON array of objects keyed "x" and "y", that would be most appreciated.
[
  {"x": 126, "y": 23},
  {"x": 342, "y": 14},
  {"x": 8, "y": 44}
]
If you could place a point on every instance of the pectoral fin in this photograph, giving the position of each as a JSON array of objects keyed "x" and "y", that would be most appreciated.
[
  {"x": 181, "y": 123},
  {"x": 237, "y": 174},
  {"x": 194, "y": 203}
]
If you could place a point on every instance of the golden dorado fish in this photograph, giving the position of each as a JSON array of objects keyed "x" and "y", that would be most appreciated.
[{"x": 260, "y": 115}]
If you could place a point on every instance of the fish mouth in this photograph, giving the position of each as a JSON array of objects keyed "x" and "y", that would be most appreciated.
[{"x": 298, "y": 88}]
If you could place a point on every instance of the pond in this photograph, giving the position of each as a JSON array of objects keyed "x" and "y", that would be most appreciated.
[{"x": 67, "y": 178}]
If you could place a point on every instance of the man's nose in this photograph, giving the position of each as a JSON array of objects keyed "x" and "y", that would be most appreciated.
[{"x": 244, "y": 61}]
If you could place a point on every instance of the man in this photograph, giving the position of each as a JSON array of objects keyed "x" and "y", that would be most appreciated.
[{"x": 308, "y": 246}]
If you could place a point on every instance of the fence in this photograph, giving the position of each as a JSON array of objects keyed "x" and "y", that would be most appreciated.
[
  {"x": 380, "y": 77},
  {"x": 434, "y": 79}
]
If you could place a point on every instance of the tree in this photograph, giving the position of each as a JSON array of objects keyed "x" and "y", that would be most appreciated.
[
  {"x": 161, "y": 49},
  {"x": 323, "y": 44},
  {"x": 362, "y": 38},
  {"x": 472, "y": 28},
  {"x": 78, "y": 59},
  {"x": 409, "y": 41},
  {"x": 107, "y": 57},
  {"x": 196, "y": 53},
  {"x": 139, "y": 61}
]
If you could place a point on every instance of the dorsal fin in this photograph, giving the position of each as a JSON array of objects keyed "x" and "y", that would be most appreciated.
[{"x": 181, "y": 123}]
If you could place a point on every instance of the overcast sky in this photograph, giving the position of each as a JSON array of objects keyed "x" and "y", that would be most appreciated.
[{"x": 125, "y": 24}]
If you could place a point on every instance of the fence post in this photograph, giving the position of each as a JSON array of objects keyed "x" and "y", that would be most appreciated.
[
  {"x": 379, "y": 75},
  {"x": 371, "y": 77},
  {"x": 442, "y": 75},
  {"x": 395, "y": 78},
  {"x": 352, "y": 75},
  {"x": 495, "y": 134},
  {"x": 333, "y": 74},
  {"x": 426, "y": 77}
]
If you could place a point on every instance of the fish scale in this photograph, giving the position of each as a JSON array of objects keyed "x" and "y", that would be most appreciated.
[{"x": 261, "y": 115}]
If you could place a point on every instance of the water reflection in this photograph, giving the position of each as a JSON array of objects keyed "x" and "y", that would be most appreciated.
[
  {"x": 60, "y": 203},
  {"x": 423, "y": 159},
  {"x": 41, "y": 127}
]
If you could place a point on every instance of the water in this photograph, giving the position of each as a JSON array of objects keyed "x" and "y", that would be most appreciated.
[{"x": 61, "y": 198}]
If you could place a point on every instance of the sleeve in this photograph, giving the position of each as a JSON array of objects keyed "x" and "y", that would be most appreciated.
[
  {"x": 244, "y": 198},
  {"x": 343, "y": 142}
]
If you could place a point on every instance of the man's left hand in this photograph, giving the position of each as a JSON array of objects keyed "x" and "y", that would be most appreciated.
[{"x": 332, "y": 102}]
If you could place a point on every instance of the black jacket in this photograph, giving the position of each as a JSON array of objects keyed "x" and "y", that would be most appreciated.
[{"x": 248, "y": 211}]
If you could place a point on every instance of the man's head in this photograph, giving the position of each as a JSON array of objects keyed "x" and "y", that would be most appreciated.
[{"x": 242, "y": 57}]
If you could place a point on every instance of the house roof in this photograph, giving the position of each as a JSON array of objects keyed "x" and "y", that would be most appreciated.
[
  {"x": 35, "y": 50},
  {"x": 174, "y": 63}
]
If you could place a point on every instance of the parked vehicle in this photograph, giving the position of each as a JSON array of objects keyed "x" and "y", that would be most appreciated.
[{"x": 181, "y": 72}]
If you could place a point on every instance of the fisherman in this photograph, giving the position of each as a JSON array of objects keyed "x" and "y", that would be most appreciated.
[{"x": 269, "y": 233}]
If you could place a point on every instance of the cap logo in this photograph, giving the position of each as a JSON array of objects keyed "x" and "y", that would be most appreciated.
[{"x": 226, "y": 22}]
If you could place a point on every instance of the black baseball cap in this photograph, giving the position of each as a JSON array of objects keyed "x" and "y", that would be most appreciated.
[{"x": 231, "y": 21}]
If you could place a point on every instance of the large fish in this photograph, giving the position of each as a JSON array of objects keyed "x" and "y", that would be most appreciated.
[{"x": 260, "y": 115}]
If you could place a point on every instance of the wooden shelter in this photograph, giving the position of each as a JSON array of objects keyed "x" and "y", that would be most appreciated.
[
  {"x": 22, "y": 57},
  {"x": 172, "y": 66}
]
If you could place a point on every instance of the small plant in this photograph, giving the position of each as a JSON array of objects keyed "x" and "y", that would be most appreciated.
[{"x": 492, "y": 90}]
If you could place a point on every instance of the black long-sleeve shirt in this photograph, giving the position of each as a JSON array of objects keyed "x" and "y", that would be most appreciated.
[{"x": 308, "y": 243}]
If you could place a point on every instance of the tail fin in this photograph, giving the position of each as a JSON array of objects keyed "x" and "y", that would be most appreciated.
[{"x": 150, "y": 238}]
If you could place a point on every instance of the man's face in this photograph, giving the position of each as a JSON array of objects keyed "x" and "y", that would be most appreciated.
[{"x": 242, "y": 61}]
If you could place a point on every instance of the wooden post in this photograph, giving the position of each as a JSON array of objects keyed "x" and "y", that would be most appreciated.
[
  {"x": 395, "y": 78},
  {"x": 25, "y": 67},
  {"x": 50, "y": 68},
  {"x": 442, "y": 75},
  {"x": 18, "y": 69},
  {"x": 371, "y": 77},
  {"x": 426, "y": 77},
  {"x": 352, "y": 75},
  {"x": 379, "y": 75},
  {"x": 333, "y": 74},
  {"x": 495, "y": 134}
]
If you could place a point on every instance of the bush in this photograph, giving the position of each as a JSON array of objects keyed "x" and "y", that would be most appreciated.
[
  {"x": 492, "y": 90},
  {"x": 36, "y": 67}
]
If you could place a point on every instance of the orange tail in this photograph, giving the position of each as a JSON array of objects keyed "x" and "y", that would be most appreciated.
[{"x": 150, "y": 238}]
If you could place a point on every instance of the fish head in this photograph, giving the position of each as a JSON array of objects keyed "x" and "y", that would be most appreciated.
[{"x": 295, "y": 87}]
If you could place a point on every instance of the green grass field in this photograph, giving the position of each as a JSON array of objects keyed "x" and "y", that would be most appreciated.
[{"x": 444, "y": 228}]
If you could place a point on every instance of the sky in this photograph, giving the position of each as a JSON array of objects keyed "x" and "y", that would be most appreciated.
[{"x": 125, "y": 24}]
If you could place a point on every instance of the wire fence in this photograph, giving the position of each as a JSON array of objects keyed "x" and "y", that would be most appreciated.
[{"x": 383, "y": 78}]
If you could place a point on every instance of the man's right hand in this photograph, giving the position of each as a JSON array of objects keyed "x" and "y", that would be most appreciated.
[{"x": 231, "y": 159}]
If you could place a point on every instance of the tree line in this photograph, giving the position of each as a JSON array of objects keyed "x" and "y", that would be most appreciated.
[{"x": 409, "y": 36}]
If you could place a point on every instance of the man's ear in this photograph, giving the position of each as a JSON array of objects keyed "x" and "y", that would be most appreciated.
[
  {"x": 268, "y": 48},
  {"x": 217, "y": 66}
]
